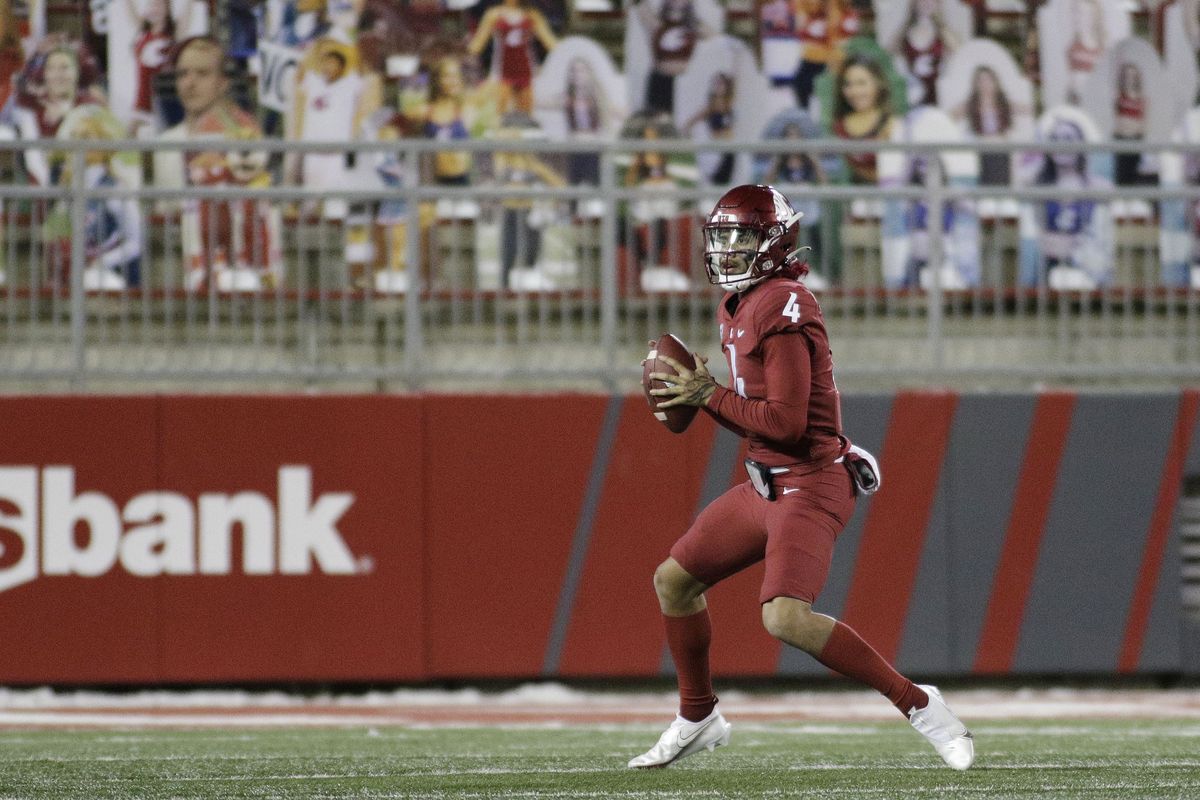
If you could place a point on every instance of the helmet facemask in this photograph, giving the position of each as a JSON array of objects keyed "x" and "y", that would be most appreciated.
[
  {"x": 738, "y": 256},
  {"x": 731, "y": 255}
]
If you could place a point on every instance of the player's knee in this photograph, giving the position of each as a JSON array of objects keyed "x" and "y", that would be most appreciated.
[
  {"x": 774, "y": 619},
  {"x": 673, "y": 585},
  {"x": 787, "y": 619},
  {"x": 666, "y": 582}
]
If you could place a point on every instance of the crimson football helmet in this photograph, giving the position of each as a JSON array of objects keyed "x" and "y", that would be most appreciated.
[{"x": 751, "y": 233}]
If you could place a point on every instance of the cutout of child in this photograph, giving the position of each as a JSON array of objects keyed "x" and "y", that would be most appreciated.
[{"x": 112, "y": 226}]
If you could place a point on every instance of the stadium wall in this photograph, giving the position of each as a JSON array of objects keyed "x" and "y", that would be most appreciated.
[{"x": 163, "y": 539}]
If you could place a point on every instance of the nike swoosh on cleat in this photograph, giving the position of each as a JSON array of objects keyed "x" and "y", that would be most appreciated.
[
  {"x": 789, "y": 491},
  {"x": 695, "y": 733}
]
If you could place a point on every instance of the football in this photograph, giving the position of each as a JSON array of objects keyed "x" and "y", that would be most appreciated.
[{"x": 676, "y": 418}]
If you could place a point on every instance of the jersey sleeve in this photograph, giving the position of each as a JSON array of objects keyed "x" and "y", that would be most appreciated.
[
  {"x": 783, "y": 415},
  {"x": 722, "y": 421}
]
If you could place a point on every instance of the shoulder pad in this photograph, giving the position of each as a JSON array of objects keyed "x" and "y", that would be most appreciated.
[{"x": 781, "y": 305}]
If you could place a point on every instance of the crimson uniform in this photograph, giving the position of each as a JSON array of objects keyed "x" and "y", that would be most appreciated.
[
  {"x": 1081, "y": 57},
  {"x": 674, "y": 40},
  {"x": 513, "y": 51},
  {"x": 863, "y": 166},
  {"x": 150, "y": 52},
  {"x": 784, "y": 401},
  {"x": 1128, "y": 168},
  {"x": 925, "y": 64}
]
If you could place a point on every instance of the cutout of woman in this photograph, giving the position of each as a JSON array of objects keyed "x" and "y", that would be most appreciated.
[
  {"x": 822, "y": 26},
  {"x": 718, "y": 117},
  {"x": 445, "y": 121},
  {"x": 923, "y": 44},
  {"x": 1066, "y": 242},
  {"x": 586, "y": 113},
  {"x": 990, "y": 99},
  {"x": 579, "y": 108},
  {"x": 55, "y": 80},
  {"x": 511, "y": 27},
  {"x": 580, "y": 97},
  {"x": 1132, "y": 98},
  {"x": 674, "y": 32},
  {"x": 862, "y": 110},
  {"x": 1129, "y": 123},
  {"x": 990, "y": 115}
]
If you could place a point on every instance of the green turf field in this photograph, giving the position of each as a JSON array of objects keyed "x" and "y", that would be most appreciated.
[{"x": 1131, "y": 760}]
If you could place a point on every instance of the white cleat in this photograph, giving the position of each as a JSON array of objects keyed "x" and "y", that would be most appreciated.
[
  {"x": 683, "y": 739},
  {"x": 937, "y": 723}
]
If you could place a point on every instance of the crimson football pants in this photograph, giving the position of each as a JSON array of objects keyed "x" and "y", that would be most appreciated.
[{"x": 794, "y": 534}]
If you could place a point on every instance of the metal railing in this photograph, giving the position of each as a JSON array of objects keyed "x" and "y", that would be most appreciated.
[{"x": 421, "y": 286}]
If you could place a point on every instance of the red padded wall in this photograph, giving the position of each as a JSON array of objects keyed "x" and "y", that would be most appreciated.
[
  {"x": 504, "y": 480},
  {"x": 487, "y": 536}
]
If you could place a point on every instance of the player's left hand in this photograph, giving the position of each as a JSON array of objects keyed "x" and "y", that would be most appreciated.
[{"x": 687, "y": 387}]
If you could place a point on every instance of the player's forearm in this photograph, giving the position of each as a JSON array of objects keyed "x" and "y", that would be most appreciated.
[
  {"x": 724, "y": 423},
  {"x": 782, "y": 416},
  {"x": 769, "y": 419}
]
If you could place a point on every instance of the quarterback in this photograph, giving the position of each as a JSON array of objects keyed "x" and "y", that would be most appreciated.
[{"x": 804, "y": 476}]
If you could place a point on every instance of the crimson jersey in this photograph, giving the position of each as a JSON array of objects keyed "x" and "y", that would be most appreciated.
[
  {"x": 1131, "y": 107},
  {"x": 784, "y": 399},
  {"x": 1081, "y": 58},
  {"x": 925, "y": 65},
  {"x": 150, "y": 51},
  {"x": 513, "y": 50},
  {"x": 675, "y": 40}
]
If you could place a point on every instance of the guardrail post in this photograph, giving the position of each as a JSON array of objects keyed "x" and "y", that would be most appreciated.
[
  {"x": 937, "y": 202},
  {"x": 78, "y": 264},
  {"x": 413, "y": 333},
  {"x": 608, "y": 269}
]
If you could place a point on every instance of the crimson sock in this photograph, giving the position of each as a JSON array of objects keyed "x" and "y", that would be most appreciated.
[
  {"x": 847, "y": 653},
  {"x": 688, "y": 638}
]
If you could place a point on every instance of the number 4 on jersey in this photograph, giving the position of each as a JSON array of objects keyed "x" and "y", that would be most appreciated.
[{"x": 792, "y": 309}]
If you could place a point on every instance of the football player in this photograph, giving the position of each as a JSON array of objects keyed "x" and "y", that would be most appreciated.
[{"x": 804, "y": 477}]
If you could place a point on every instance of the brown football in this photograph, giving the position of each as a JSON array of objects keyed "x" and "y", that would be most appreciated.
[{"x": 676, "y": 418}]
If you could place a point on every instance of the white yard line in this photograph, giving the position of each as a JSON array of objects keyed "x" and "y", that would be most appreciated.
[{"x": 553, "y": 705}]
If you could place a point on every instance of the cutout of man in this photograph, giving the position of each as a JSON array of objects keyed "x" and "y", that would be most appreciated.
[{"x": 234, "y": 243}]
